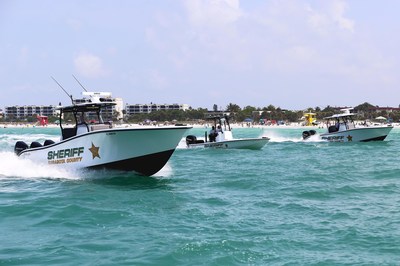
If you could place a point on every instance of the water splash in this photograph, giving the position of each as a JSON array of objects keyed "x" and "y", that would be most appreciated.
[
  {"x": 284, "y": 135},
  {"x": 166, "y": 171},
  {"x": 276, "y": 136},
  {"x": 182, "y": 144},
  {"x": 12, "y": 166}
]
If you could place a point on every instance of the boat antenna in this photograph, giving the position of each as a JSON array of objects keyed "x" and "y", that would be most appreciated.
[
  {"x": 69, "y": 95},
  {"x": 79, "y": 83}
]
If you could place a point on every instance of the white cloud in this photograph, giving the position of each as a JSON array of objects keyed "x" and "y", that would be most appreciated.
[
  {"x": 207, "y": 44},
  {"x": 89, "y": 65},
  {"x": 326, "y": 19},
  {"x": 213, "y": 12},
  {"x": 338, "y": 10}
]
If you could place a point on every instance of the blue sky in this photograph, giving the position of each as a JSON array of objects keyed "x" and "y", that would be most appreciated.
[{"x": 293, "y": 54}]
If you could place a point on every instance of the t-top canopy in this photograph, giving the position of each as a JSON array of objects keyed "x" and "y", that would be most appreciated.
[{"x": 85, "y": 107}]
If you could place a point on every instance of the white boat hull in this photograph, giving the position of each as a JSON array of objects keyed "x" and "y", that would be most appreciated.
[
  {"x": 357, "y": 134},
  {"x": 245, "y": 143},
  {"x": 143, "y": 150}
]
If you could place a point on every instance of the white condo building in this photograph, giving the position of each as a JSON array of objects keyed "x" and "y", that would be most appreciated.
[
  {"x": 112, "y": 112},
  {"x": 25, "y": 111},
  {"x": 132, "y": 109}
]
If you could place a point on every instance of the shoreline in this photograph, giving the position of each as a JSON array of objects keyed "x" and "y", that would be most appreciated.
[{"x": 233, "y": 125}]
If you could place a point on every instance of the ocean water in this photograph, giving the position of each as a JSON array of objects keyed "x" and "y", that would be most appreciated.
[{"x": 291, "y": 203}]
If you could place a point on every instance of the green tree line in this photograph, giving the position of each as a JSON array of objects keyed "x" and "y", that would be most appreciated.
[{"x": 365, "y": 111}]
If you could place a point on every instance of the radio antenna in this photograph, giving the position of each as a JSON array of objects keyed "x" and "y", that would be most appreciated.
[
  {"x": 69, "y": 95},
  {"x": 79, "y": 83}
]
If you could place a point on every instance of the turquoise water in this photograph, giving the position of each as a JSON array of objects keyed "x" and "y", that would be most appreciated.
[{"x": 291, "y": 203}]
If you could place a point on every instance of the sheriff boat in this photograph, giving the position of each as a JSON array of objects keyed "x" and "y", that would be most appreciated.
[
  {"x": 98, "y": 144},
  {"x": 222, "y": 138},
  {"x": 341, "y": 128}
]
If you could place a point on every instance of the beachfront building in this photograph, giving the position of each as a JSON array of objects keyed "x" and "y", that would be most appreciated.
[
  {"x": 22, "y": 112},
  {"x": 132, "y": 109}
]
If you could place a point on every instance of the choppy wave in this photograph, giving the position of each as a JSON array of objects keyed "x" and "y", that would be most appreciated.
[
  {"x": 7, "y": 141},
  {"x": 288, "y": 203}
]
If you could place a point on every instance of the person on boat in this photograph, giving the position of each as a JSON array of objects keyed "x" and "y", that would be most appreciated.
[
  {"x": 219, "y": 129},
  {"x": 213, "y": 134}
]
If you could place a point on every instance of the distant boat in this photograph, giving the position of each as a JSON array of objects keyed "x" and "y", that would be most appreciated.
[
  {"x": 97, "y": 145},
  {"x": 341, "y": 128},
  {"x": 223, "y": 137}
]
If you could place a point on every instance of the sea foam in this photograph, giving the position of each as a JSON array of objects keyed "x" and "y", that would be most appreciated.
[{"x": 12, "y": 166}]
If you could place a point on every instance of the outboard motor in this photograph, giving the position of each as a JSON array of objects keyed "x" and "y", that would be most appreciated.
[
  {"x": 35, "y": 144},
  {"x": 191, "y": 139},
  {"x": 48, "y": 142},
  {"x": 308, "y": 133},
  {"x": 19, "y": 147}
]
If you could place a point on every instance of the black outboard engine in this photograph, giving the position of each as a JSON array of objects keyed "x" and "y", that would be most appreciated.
[
  {"x": 191, "y": 139},
  {"x": 19, "y": 147},
  {"x": 48, "y": 142},
  {"x": 35, "y": 144},
  {"x": 308, "y": 133}
]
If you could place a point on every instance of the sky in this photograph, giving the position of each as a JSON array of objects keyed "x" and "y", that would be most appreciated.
[{"x": 293, "y": 54}]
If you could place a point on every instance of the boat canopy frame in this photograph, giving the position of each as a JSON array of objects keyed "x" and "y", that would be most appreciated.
[
  {"x": 220, "y": 118},
  {"x": 345, "y": 120},
  {"x": 78, "y": 111}
]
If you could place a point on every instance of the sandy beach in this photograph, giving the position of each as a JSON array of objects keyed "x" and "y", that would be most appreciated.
[{"x": 195, "y": 125}]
